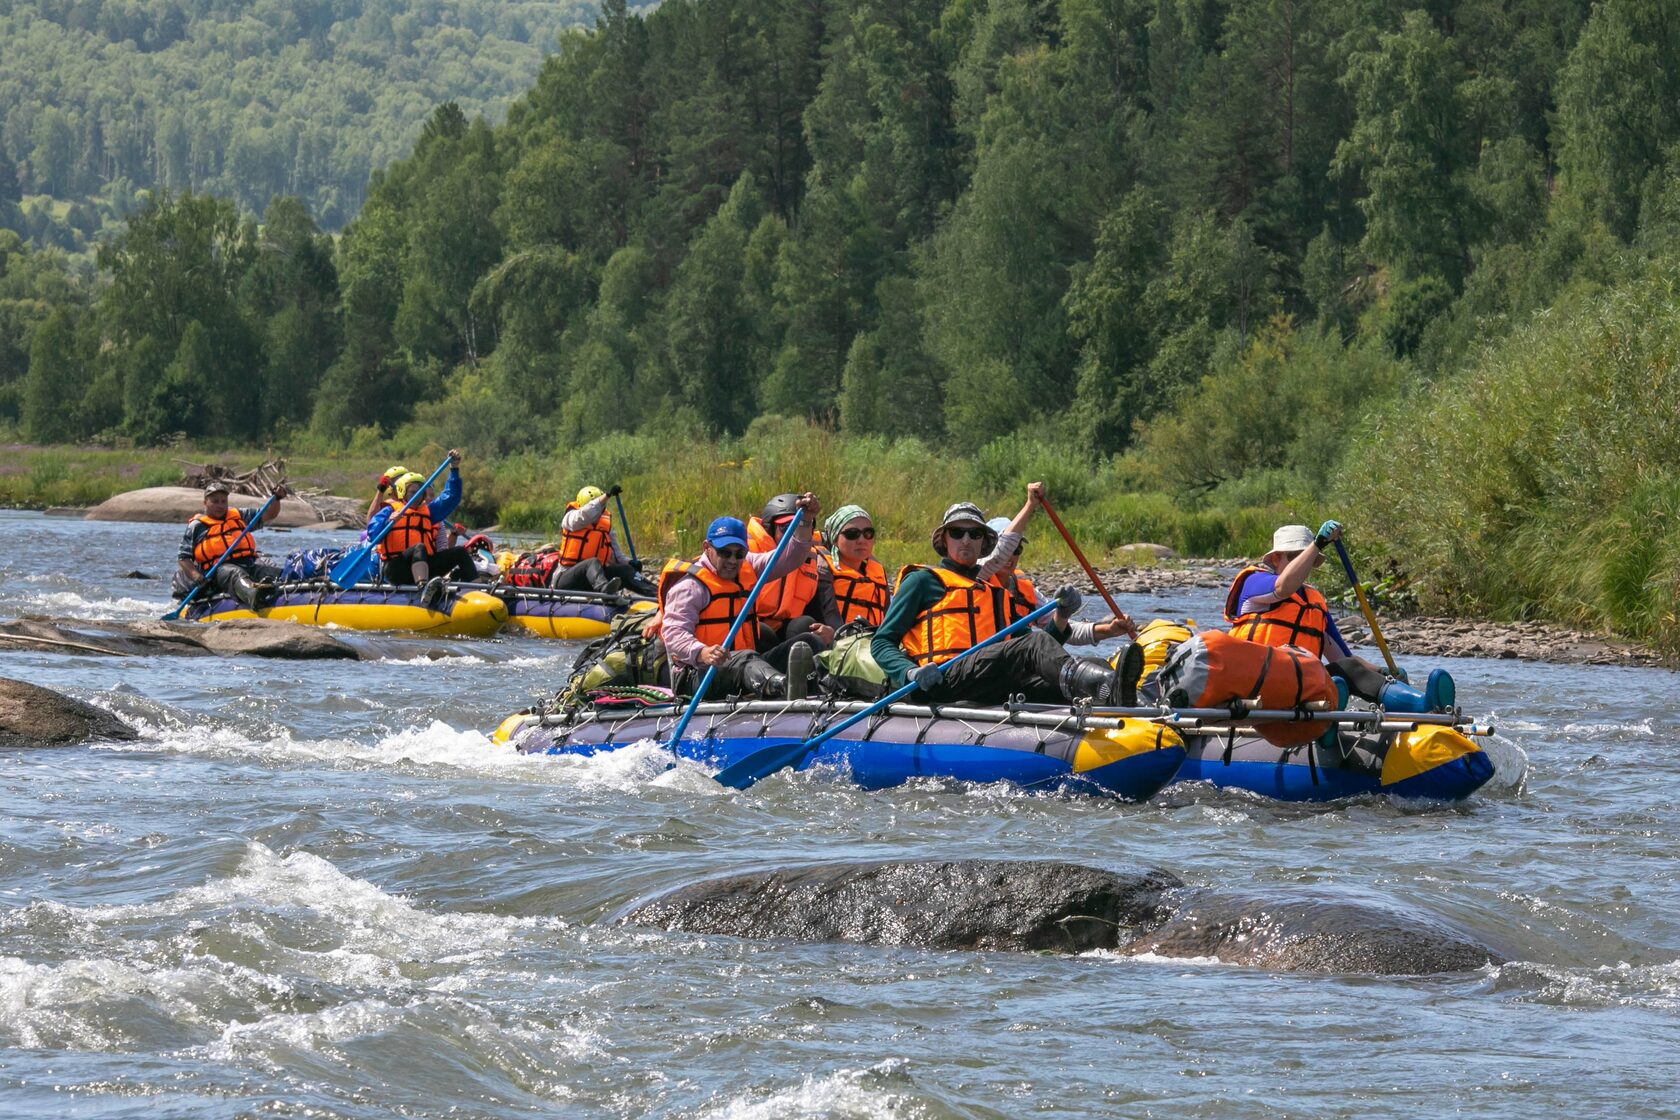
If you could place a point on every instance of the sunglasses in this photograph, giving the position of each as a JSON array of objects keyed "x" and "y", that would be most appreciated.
[
  {"x": 978, "y": 533},
  {"x": 732, "y": 553},
  {"x": 854, "y": 534}
]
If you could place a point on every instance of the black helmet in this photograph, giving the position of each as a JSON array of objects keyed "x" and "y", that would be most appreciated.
[{"x": 778, "y": 509}]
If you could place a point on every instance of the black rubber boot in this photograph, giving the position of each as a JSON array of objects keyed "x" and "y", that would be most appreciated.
[
  {"x": 759, "y": 678},
  {"x": 244, "y": 589},
  {"x": 1128, "y": 670},
  {"x": 431, "y": 595},
  {"x": 802, "y": 662},
  {"x": 1085, "y": 678}
]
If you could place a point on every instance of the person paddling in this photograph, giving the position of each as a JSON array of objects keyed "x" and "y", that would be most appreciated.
[
  {"x": 410, "y": 549},
  {"x": 1272, "y": 603},
  {"x": 589, "y": 558},
  {"x": 699, "y": 599},
  {"x": 1023, "y": 600},
  {"x": 800, "y": 604},
  {"x": 939, "y": 611},
  {"x": 244, "y": 575}
]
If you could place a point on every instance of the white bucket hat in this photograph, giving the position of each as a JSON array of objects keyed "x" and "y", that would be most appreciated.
[{"x": 1291, "y": 538}]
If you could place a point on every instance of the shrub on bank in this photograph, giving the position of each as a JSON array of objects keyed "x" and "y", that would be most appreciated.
[{"x": 1545, "y": 482}]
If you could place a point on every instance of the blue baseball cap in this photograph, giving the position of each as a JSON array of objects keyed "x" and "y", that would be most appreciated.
[{"x": 726, "y": 531}]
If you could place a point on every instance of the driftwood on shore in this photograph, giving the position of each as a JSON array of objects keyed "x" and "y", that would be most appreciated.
[{"x": 175, "y": 504}]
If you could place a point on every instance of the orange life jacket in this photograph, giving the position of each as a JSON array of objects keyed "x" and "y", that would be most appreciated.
[
  {"x": 219, "y": 536},
  {"x": 785, "y": 598},
  {"x": 1300, "y": 620},
  {"x": 860, "y": 594},
  {"x": 716, "y": 617},
  {"x": 408, "y": 529},
  {"x": 968, "y": 614},
  {"x": 1216, "y": 668},
  {"x": 1022, "y": 599},
  {"x": 590, "y": 541}
]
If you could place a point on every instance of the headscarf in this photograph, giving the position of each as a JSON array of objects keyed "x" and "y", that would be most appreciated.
[{"x": 836, "y": 521}]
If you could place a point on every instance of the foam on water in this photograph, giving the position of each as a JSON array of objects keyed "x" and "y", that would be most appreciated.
[
  {"x": 73, "y": 605},
  {"x": 865, "y": 1094}
]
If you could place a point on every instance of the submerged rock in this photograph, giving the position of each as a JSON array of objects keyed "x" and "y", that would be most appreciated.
[
  {"x": 31, "y": 716},
  {"x": 964, "y": 904},
  {"x": 251, "y": 637},
  {"x": 1066, "y": 908}
]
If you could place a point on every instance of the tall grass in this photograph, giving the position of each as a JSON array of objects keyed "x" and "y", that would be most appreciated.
[{"x": 1545, "y": 482}]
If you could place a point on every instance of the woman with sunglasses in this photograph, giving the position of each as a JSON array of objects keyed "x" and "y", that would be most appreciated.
[
  {"x": 939, "y": 611},
  {"x": 849, "y": 565}
]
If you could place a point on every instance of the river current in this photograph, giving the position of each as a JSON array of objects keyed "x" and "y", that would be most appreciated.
[{"x": 317, "y": 889}]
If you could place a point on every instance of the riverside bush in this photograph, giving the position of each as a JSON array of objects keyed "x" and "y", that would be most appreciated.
[{"x": 1543, "y": 481}]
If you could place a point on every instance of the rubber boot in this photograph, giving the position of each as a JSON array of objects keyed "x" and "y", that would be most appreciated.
[
  {"x": 1439, "y": 692},
  {"x": 1398, "y": 696},
  {"x": 1128, "y": 670},
  {"x": 759, "y": 678},
  {"x": 1085, "y": 678},
  {"x": 244, "y": 589},
  {"x": 431, "y": 595},
  {"x": 1333, "y": 731},
  {"x": 802, "y": 662}
]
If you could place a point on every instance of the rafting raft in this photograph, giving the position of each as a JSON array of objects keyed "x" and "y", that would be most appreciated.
[
  {"x": 1126, "y": 753},
  {"x": 467, "y": 610}
]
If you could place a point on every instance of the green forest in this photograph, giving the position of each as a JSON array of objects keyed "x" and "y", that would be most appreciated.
[
  {"x": 1408, "y": 263},
  {"x": 104, "y": 101}
]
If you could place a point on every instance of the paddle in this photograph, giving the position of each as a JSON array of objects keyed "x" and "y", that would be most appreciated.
[
  {"x": 624, "y": 522},
  {"x": 204, "y": 581},
  {"x": 734, "y": 628},
  {"x": 349, "y": 571},
  {"x": 765, "y": 762},
  {"x": 1365, "y": 608},
  {"x": 1119, "y": 614}
]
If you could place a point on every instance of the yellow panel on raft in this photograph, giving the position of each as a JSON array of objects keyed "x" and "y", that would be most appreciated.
[
  {"x": 1133, "y": 737},
  {"x": 569, "y": 629},
  {"x": 1416, "y": 752},
  {"x": 471, "y": 614},
  {"x": 509, "y": 727},
  {"x": 1158, "y": 638}
]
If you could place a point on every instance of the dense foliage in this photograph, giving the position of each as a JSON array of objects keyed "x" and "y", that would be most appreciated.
[
  {"x": 103, "y": 99},
  {"x": 1198, "y": 248}
]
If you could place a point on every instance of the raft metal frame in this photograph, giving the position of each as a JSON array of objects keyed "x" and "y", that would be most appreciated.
[{"x": 1076, "y": 718}]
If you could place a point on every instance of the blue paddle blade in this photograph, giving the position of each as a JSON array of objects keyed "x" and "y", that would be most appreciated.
[
  {"x": 761, "y": 764},
  {"x": 349, "y": 571}
]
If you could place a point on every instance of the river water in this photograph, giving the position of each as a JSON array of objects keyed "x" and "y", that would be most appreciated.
[{"x": 317, "y": 890}]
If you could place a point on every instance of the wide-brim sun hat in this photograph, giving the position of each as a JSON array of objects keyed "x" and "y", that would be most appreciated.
[
  {"x": 1291, "y": 539},
  {"x": 956, "y": 515}
]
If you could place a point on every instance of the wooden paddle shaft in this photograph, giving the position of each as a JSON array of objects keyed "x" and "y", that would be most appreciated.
[{"x": 1086, "y": 564}]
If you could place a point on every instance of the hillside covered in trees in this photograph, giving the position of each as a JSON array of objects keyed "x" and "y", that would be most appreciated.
[
  {"x": 1239, "y": 252},
  {"x": 243, "y": 99}
]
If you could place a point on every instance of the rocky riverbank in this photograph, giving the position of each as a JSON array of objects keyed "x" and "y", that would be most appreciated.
[{"x": 1420, "y": 636}]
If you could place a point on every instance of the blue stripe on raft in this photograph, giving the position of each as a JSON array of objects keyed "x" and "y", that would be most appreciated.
[
  {"x": 878, "y": 764},
  {"x": 541, "y": 608},
  {"x": 1293, "y": 781}
]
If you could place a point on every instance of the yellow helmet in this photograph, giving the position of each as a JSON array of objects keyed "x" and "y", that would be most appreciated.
[
  {"x": 589, "y": 494},
  {"x": 407, "y": 481}
]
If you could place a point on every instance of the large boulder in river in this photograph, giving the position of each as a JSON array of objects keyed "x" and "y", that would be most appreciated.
[
  {"x": 31, "y": 716},
  {"x": 175, "y": 504},
  {"x": 249, "y": 637},
  {"x": 1062, "y": 907}
]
